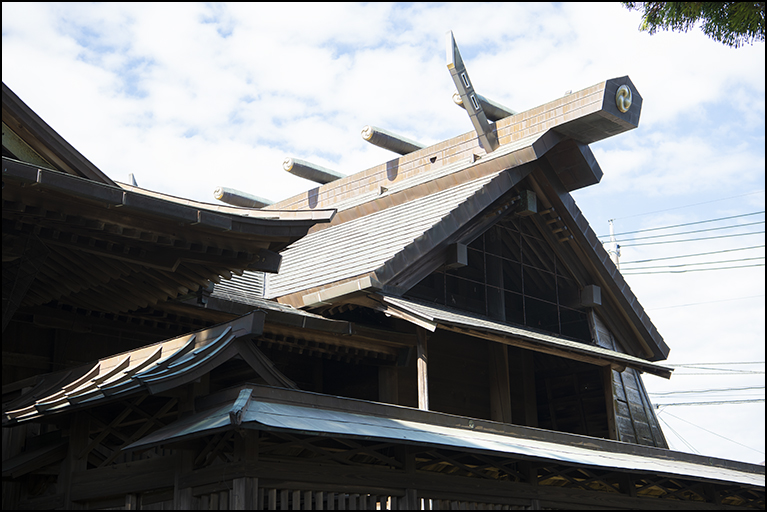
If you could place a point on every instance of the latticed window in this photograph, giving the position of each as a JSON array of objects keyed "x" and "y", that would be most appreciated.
[{"x": 513, "y": 276}]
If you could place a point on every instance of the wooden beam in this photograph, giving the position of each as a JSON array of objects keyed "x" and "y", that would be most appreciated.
[
  {"x": 524, "y": 407},
  {"x": 500, "y": 387},
  {"x": 422, "y": 369},
  {"x": 138, "y": 476},
  {"x": 607, "y": 384},
  {"x": 388, "y": 384}
]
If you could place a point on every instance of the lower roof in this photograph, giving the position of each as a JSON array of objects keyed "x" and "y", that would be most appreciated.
[
  {"x": 263, "y": 408},
  {"x": 432, "y": 316}
]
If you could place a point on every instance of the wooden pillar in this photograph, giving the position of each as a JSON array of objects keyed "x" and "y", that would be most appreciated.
[
  {"x": 524, "y": 407},
  {"x": 388, "y": 387},
  {"x": 607, "y": 384},
  {"x": 182, "y": 496},
  {"x": 245, "y": 489},
  {"x": 79, "y": 428},
  {"x": 410, "y": 500},
  {"x": 131, "y": 501},
  {"x": 14, "y": 439},
  {"x": 245, "y": 493},
  {"x": 422, "y": 368},
  {"x": 500, "y": 388}
]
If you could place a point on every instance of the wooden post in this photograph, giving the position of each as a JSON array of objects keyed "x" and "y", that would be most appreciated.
[
  {"x": 244, "y": 493},
  {"x": 422, "y": 368},
  {"x": 182, "y": 496},
  {"x": 78, "y": 440},
  {"x": 410, "y": 500},
  {"x": 524, "y": 409},
  {"x": 14, "y": 439},
  {"x": 388, "y": 387},
  {"x": 296, "y": 500},
  {"x": 607, "y": 384},
  {"x": 131, "y": 501},
  {"x": 500, "y": 388}
]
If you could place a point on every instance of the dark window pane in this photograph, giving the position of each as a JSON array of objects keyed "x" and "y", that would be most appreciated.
[
  {"x": 494, "y": 270},
  {"x": 511, "y": 249},
  {"x": 513, "y": 308},
  {"x": 537, "y": 252},
  {"x": 430, "y": 289},
  {"x": 494, "y": 240},
  {"x": 495, "y": 304},
  {"x": 475, "y": 270},
  {"x": 512, "y": 276},
  {"x": 575, "y": 324},
  {"x": 569, "y": 294},
  {"x": 477, "y": 243},
  {"x": 466, "y": 295},
  {"x": 510, "y": 223},
  {"x": 541, "y": 315},
  {"x": 539, "y": 284}
]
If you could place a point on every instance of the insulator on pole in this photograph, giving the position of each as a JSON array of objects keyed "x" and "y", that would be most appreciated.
[
  {"x": 494, "y": 111},
  {"x": 238, "y": 198},
  {"x": 309, "y": 171},
  {"x": 388, "y": 140}
]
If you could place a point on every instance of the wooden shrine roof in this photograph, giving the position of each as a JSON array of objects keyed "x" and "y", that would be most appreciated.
[
  {"x": 109, "y": 248},
  {"x": 263, "y": 408},
  {"x": 396, "y": 221},
  {"x": 434, "y": 315}
]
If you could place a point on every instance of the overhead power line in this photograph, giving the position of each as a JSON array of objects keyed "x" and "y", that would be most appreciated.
[
  {"x": 706, "y": 302},
  {"x": 681, "y": 225},
  {"x": 720, "y": 390},
  {"x": 692, "y": 255},
  {"x": 679, "y": 436},
  {"x": 693, "y": 239},
  {"x": 690, "y": 270},
  {"x": 691, "y": 232},
  {"x": 691, "y": 205},
  {"x": 714, "y": 402},
  {"x": 714, "y": 433},
  {"x": 701, "y": 263}
]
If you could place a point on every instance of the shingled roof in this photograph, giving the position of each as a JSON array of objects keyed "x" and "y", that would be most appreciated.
[{"x": 397, "y": 221}]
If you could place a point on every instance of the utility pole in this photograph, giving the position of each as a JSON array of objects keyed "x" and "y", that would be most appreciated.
[{"x": 613, "y": 249}]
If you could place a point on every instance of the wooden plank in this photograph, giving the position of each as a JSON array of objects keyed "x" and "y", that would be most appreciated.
[
  {"x": 284, "y": 499},
  {"x": 296, "y": 504},
  {"x": 272, "y": 499},
  {"x": 607, "y": 380},
  {"x": 388, "y": 388},
  {"x": 131, "y": 501},
  {"x": 244, "y": 493},
  {"x": 500, "y": 388},
  {"x": 138, "y": 476},
  {"x": 422, "y": 369}
]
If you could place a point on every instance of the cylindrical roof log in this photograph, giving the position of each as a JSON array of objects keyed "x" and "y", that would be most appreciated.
[
  {"x": 238, "y": 198},
  {"x": 494, "y": 111},
  {"x": 388, "y": 140},
  {"x": 309, "y": 171}
]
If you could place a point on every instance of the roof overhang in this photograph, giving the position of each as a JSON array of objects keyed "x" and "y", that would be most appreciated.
[
  {"x": 93, "y": 234},
  {"x": 262, "y": 408},
  {"x": 32, "y": 135},
  {"x": 433, "y": 316}
]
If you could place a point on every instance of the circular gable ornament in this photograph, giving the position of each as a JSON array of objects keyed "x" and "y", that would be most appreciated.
[{"x": 623, "y": 98}]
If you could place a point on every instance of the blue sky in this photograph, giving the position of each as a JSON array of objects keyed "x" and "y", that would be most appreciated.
[{"x": 189, "y": 97}]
